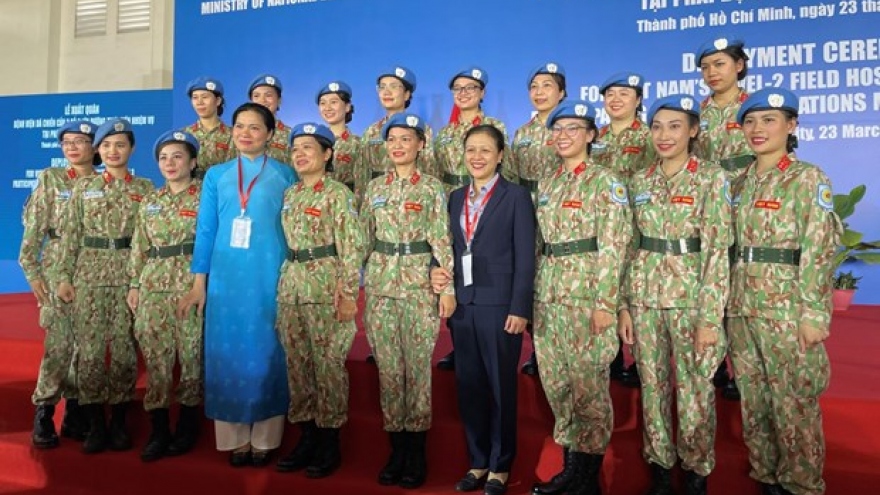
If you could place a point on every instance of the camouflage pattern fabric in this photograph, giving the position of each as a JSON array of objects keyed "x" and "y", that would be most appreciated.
[
  {"x": 215, "y": 145},
  {"x": 625, "y": 153},
  {"x": 278, "y": 146},
  {"x": 449, "y": 147},
  {"x": 375, "y": 157},
  {"x": 347, "y": 162},
  {"x": 720, "y": 135},
  {"x": 532, "y": 155}
]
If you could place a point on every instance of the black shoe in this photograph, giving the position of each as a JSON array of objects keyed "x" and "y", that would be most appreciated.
[
  {"x": 530, "y": 367},
  {"x": 447, "y": 363},
  {"x": 661, "y": 480},
  {"x": 415, "y": 469},
  {"x": 731, "y": 391},
  {"x": 187, "y": 433},
  {"x": 470, "y": 483},
  {"x": 75, "y": 424},
  {"x": 393, "y": 469},
  {"x": 629, "y": 377},
  {"x": 371, "y": 359},
  {"x": 329, "y": 458},
  {"x": 587, "y": 480},
  {"x": 261, "y": 458},
  {"x": 44, "y": 436},
  {"x": 304, "y": 452},
  {"x": 495, "y": 487},
  {"x": 559, "y": 483},
  {"x": 773, "y": 489},
  {"x": 616, "y": 368},
  {"x": 160, "y": 436},
  {"x": 240, "y": 459},
  {"x": 96, "y": 440},
  {"x": 721, "y": 378},
  {"x": 119, "y": 437},
  {"x": 694, "y": 484}
]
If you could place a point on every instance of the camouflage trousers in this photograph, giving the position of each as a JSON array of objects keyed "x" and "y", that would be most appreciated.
[
  {"x": 316, "y": 346},
  {"x": 665, "y": 340},
  {"x": 58, "y": 367},
  {"x": 780, "y": 388},
  {"x": 574, "y": 366},
  {"x": 164, "y": 339},
  {"x": 102, "y": 321},
  {"x": 402, "y": 333}
]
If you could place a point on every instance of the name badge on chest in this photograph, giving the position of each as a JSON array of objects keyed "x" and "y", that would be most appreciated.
[
  {"x": 467, "y": 268},
  {"x": 241, "y": 232}
]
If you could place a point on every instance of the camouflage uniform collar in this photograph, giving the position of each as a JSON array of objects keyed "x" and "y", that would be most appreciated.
[
  {"x": 317, "y": 187},
  {"x": 72, "y": 174},
  {"x": 635, "y": 125},
  {"x": 782, "y": 165},
  {"x": 346, "y": 135},
  {"x": 576, "y": 172},
  {"x": 474, "y": 122},
  {"x": 413, "y": 179},
  {"x": 192, "y": 190},
  {"x": 198, "y": 126},
  {"x": 280, "y": 125},
  {"x": 108, "y": 177},
  {"x": 709, "y": 102}
]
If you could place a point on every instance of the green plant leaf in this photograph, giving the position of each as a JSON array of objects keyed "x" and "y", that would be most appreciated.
[
  {"x": 857, "y": 194},
  {"x": 870, "y": 258},
  {"x": 843, "y": 206},
  {"x": 851, "y": 238}
]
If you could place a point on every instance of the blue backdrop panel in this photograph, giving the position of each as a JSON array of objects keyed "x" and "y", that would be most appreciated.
[{"x": 27, "y": 129}]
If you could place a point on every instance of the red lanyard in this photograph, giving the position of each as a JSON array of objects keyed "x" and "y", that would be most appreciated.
[
  {"x": 469, "y": 227},
  {"x": 244, "y": 196}
]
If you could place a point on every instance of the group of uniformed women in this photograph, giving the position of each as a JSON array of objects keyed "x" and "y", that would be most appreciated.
[{"x": 653, "y": 233}]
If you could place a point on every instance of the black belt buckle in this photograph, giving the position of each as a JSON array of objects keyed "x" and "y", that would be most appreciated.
[
  {"x": 747, "y": 254},
  {"x": 567, "y": 248},
  {"x": 406, "y": 248}
]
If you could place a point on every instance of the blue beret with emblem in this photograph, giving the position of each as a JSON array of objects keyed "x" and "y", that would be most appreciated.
[
  {"x": 715, "y": 45},
  {"x": 574, "y": 109},
  {"x": 176, "y": 136},
  {"x": 111, "y": 127},
  {"x": 624, "y": 80},
  {"x": 338, "y": 87},
  {"x": 318, "y": 131},
  {"x": 265, "y": 80},
  {"x": 404, "y": 75},
  {"x": 77, "y": 127},
  {"x": 680, "y": 103},
  {"x": 474, "y": 73},
  {"x": 204, "y": 83},
  {"x": 769, "y": 99},
  {"x": 407, "y": 120},
  {"x": 547, "y": 68}
]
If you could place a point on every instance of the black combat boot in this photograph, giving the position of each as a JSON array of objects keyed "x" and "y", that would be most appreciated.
[
  {"x": 447, "y": 363},
  {"x": 694, "y": 484},
  {"x": 44, "y": 436},
  {"x": 530, "y": 367},
  {"x": 662, "y": 480},
  {"x": 119, "y": 438},
  {"x": 96, "y": 440},
  {"x": 75, "y": 424},
  {"x": 721, "y": 378},
  {"x": 560, "y": 482},
  {"x": 393, "y": 469},
  {"x": 587, "y": 479},
  {"x": 415, "y": 469},
  {"x": 187, "y": 432},
  {"x": 160, "y": 436},
  {"x": 301, "y": 455},
  {"x": 773, "y": 489},
  {"x": 328, "y": 458}
]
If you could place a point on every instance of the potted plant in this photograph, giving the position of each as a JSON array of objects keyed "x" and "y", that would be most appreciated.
[{"x": 852, "y": 247}]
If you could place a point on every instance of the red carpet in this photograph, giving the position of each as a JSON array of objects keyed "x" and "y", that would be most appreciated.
[{"x": 851, "y": 407}]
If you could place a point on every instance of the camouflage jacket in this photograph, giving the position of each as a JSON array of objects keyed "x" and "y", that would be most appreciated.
[
  {"x": 720, "y": 135},
  {"x": 626, "y": 153},
  {"x": 375, "y": 157},
  {"x": 449, "y": 149},
  {"x": 347, "y": 162},
  {"x": 279, "y": 146},
  {"x": 532, "y": 155},
  {"x": 215, "y": 145}
]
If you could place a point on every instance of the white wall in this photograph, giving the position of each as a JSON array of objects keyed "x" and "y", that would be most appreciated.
[{"x": 40, "y": 54}]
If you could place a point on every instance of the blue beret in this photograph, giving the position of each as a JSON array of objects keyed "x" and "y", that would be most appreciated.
[
  {"x": 333, "y": 87},
  {"x": 682, "y": 103},
  {"x": 175, "y": 136},
  {"x": 769, "y": 99},
  {"x": 575, "y": 109},
  {"x": 318, "y": 131},
  {"x": 111, "y": 127},
  {"x": 716, "y": 45},
  {"x": 400, "y": 72},
  {"x": 205, "y": 84},
  {"x": 473, "y": 72},
  {"x": 624, "y": 80},
  {"x": 408, "y": 120},
  {"x": 548, "y": 68},
  {"x": 265, "y": 80},
  {"x": 77, "y": 127}
]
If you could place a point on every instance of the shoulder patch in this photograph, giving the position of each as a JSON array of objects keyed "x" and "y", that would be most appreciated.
[
  {"x": 727, "y": 194},
  {"x": 824, "y": 197},
  {"x": 642, "y": 198},
  {"x": 618, "y": 193}
]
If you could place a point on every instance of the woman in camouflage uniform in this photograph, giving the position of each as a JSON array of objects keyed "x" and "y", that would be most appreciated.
[
  {"x": 265, "y": 90},
  {"x": 214, "y": 137},
  {"x": 334, "y": 104}
]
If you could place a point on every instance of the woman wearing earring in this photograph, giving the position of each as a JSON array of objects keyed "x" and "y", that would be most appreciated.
[
  {"x": 240, "y": 247},
  {"x": 161, "y": 252},
  {"x": 585, "y": 223},
  {"x": 336, "y": 108},
  {"x": 780, "y": 302},
  {"x": 265, "y": 90},
  {"x": 675, "y": 290},
  {"x": 214, "y": 137}
]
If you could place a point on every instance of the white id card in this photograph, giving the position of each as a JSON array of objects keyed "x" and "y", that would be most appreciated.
[
  {"x": 467, "y": 268},
  {"x": 241, "y": 233}
]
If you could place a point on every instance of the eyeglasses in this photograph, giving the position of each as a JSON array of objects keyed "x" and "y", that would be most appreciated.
[
  {"x": 569, "y": 130},
  {"x": 470, "y": 88},
  {"x": 389, "y": 87},
  {"x": 75, "y": 143}
]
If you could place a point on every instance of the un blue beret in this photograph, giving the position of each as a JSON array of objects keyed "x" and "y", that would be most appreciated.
[
  {"x": 407, "y": 120},
  {"x": 205, "y": 84},
  {"x": 625, "y": 80},
  {"x": 333, "y": 87},
  {"x": 475, "y": 73},
  {"x": 406, "y": 76},
  {"x": 681, "y": 103},
  {"x": 716, "y": 45},
  {"x": 175, "y": 136},
  {"x": 769, "y": 99},
  {"x": 265, "y": 80},
  {"x": 318, "y": 131},
  {"x": 548, "y": 68},
  {"x": 575, "y": 109},
  {"x": 77, "y": 127},
  {"x": 111, "y": 127}
]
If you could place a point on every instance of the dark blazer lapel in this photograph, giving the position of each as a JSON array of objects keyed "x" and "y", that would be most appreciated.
[
  {"x": 455, "y": 206},
  {"x": 494, "y": 201}
]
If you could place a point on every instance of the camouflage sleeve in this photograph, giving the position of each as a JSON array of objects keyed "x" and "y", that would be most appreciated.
[
  {"x": 819, "y": 234},
  {"x": 368, "y": 224},
  {"x": 510, "y": 168},
  {"x": 614, "y": 232},
  {"x": 35, "y": 218},
  {"x": 438, "y": 234},
  {"x": 349, "y": 239},
  {"x": 632, "y": 249},
  {"x": 140, "y": 245},
  {"x": 716, "y": 236},
  {"x": 359, "y": 172},
  {"x": 72, "y": 233},
  {"x": 427, "y": 161}
]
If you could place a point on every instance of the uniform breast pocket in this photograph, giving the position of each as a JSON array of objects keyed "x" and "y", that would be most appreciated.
[{"x": 771, "y": 286}]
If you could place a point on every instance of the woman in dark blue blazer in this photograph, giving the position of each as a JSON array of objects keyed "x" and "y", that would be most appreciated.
[{"x": 493, "y": 230}]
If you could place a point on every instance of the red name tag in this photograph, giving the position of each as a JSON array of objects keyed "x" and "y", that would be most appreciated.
[
  {"x": 732, "y": 125},
  {"x": 188, "y": 213},
  {"x": 343, "y": 158},
  {"x": 315, "y": 212},
  {"x": 222, "y": 146},
  {"x": 682, "y": 200},
  {"x": 572, "y": 203},
  {"x": 632, "y": 150},
  {"x": 412, "y": 206},
  {"x": 767, "y": 204},
  {"x": 136, "y": 197},
  {"x": 277, "y": 146}
]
